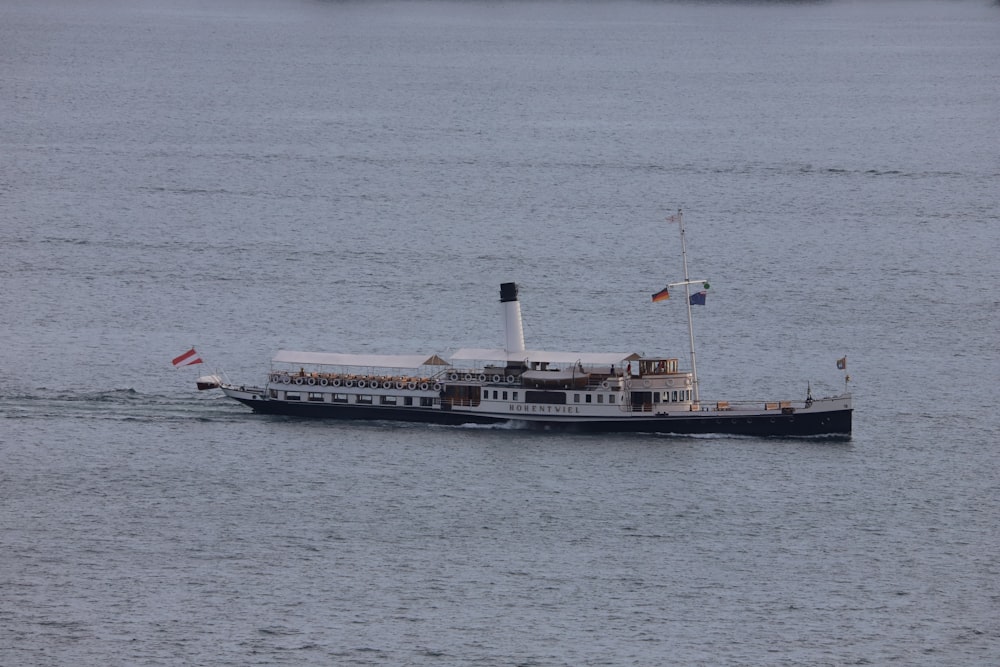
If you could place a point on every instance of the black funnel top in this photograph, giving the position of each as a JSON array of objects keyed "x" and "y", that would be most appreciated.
[{"x": 508, "y": 292}]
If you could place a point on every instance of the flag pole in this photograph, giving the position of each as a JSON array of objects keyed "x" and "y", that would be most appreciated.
[{"x": 687, "y": 301}]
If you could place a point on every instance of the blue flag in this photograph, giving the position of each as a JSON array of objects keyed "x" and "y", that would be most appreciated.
[{"x": 698, "y": 298}]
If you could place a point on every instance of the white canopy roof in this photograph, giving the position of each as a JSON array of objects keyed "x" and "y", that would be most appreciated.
[
  {"x": 365, "y": 360},
  {"x": 500, "y": 354}
]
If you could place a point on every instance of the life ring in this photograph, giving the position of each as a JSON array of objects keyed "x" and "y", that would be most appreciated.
[
  {"x": 423, "y": 386},
  {"x": 349, "y": 383},
  {"x": 362, "y": 384},
  {"x": 298, "y": 380},
  {"x": 482, "y": 377},
  {"x": 285, "y": 379},
  {"x": 323, "y": 382},
  {"x": 437, "y": 386},
  {"x": 468, "y": 377},
  {"x": 496, "y": 378},
  {"x": 646, "y": 383},
  {"x": 510, "y": 379},
  {"x": 605, "y": 385},
  {"x": 311, "y": 381},
  {"x": 400, "y": 384},
  {"x": 336, "y": 382},
  {"x": 453, "y": 376},
  {"x": 411, "y": 385}
]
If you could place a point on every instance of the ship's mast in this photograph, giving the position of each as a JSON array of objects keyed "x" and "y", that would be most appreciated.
[{"x": 679, "y": 219}]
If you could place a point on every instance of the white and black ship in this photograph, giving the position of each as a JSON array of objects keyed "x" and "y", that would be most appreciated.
[{"x": 613, "y": 391}]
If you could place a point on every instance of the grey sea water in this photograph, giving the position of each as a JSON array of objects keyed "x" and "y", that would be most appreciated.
[{"x": 359, "y": 177}]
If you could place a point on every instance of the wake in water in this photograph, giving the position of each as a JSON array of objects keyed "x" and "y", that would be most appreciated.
[
  {"x": 119, "y": 404},
  {"x": 499, "y": 426}
]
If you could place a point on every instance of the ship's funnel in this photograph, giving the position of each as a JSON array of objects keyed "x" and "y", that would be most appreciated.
[{"x": 513, "y": 331}]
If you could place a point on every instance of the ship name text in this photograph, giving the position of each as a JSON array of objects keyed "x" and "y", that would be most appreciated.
[{"x": 534, "y": 407}]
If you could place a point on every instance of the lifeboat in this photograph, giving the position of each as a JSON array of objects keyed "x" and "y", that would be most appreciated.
[
  {"x": 553, "y": 379},
  {"x": 208, "y": 382}
]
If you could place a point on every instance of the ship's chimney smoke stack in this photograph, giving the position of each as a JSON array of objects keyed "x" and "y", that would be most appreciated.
[{"x": 513, "y": 331}]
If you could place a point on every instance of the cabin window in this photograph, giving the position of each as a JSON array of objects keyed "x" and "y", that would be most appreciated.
[
  {"x": 590, "y": 398},
  {"x": 545, "y": 397},
  {"x": 364, "y": 398},
  {"x": 600, "y": 398},
  {"x": 611, "y": 398},
  {"x": 315, "y": 397},
  {"x": 388, "y": 400},
  {"x": 340, "y": 398},
  {"x": 407, "y": 400},
  {"x": 576, "y": 398},
  {"x": 426, "y": 401},
  {"x": 656, "y": 397},
  {"x": 673, "y": 396},
  {"x": 641, "y": 400},
  {"x": 293, "y": 396},
  {"x": 505, "y": 396},
  {"x": 273, "y": 393},
  {"x": 514, "y": 398},
  {"x": 495, "y": 394}
]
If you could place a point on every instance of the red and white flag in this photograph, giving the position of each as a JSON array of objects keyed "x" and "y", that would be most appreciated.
[{"x": 189, "y": 358}]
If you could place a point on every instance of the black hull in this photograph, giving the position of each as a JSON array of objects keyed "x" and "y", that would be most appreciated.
[{"x": 834, "y": 423}]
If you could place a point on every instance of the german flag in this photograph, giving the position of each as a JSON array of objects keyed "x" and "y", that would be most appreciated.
[{"x": 662, "y": 295}]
